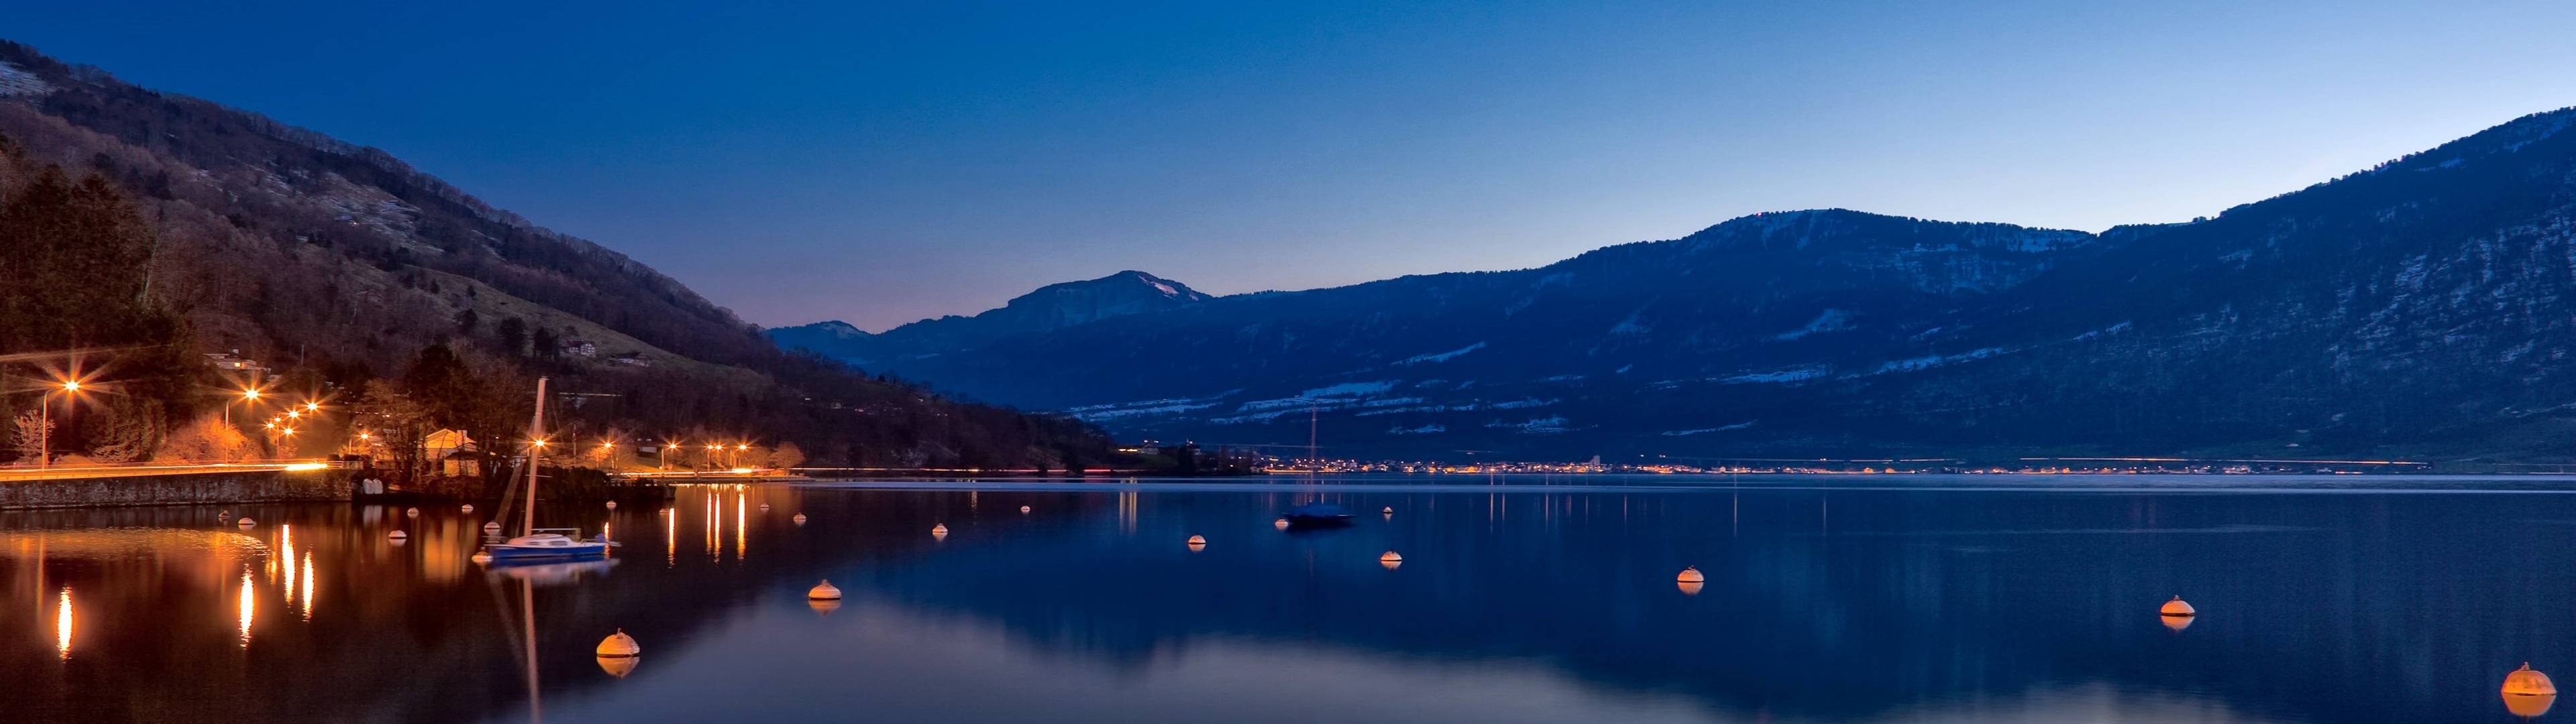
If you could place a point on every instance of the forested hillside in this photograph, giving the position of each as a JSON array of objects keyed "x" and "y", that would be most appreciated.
[{"x": 149, "y": 229}]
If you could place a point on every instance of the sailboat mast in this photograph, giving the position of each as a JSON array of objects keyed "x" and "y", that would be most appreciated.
[{"x": 536, "y": 444}]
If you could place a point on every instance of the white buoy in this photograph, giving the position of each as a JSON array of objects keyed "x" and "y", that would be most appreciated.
[
  {"x": 245, "y": 522},
  {"x": 1024, "y": 509},
  {"x": 800, "y": 519},
  {"x": 619, "y": 646},
  {"x": 468, "y": 507},
  {"x": 612, "y": 505},
  {"x": 1389, "y": 510},
  {"x": 411, "y": 512},
  {"x": 824, "y": 591},
  {"x": 398, "y": 535}
]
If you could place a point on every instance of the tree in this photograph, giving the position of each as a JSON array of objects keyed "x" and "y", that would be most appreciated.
[
  {"x": 31, "y": 429},
  {"x": 514, "y": 336},
  {"x": 127, "y": 429},
  {"x": 547, "y": 345},
  {"x": 465, "y": 321},
  {"x": 786, "y": 455},
  {"x": 394, "y": 421},
  {"x": 205, "y": 440}
]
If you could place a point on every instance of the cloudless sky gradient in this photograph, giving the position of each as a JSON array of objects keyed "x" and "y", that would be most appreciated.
[{"x": 884, "y": 163}]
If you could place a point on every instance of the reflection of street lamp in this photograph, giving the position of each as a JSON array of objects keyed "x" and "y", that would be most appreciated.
[{"x": 45, "y": 426}]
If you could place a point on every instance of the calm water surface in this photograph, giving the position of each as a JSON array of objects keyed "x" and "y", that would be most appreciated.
[{"x": 1914, "y": 599}]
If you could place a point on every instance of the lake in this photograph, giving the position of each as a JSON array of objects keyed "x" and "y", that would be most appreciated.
[{"x": 1827, "y": 599}]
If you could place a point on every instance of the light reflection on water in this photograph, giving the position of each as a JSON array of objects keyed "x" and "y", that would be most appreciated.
[{"x": 1864, "y": 603}]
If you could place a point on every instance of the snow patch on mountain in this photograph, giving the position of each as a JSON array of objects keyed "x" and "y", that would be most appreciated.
[
  {"x": 1917, "y": 364},
  {"x": 1534, "y": 426},
  {"x": 1831, "y": 320},
  {"x": 16, "y": 81},
  {"x": 1441, "y": 357},
  {"x": 1793, "y": 374},
  {"x": 1706, "y": 430}
]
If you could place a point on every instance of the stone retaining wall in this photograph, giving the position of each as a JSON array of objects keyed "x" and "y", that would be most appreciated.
[{"x": 224, "y": 487}]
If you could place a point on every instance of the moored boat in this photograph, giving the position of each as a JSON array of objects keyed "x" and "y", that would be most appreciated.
[{"x": 1317, "y": 515}]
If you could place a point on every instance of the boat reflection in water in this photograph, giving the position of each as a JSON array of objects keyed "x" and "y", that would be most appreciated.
[
  {"x": 1507, "y": 603},
  {"x": 530, "y": 576}
]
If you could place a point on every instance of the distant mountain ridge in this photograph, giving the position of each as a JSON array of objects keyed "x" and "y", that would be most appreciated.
[
  {"x": 2422, "y": 307},
  {"x": 1051, "y": 307}
]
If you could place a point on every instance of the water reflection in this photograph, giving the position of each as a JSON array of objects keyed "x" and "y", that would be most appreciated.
[
  {"x": 63, "y": 624},
  {"x": 1515, "y": 603}
]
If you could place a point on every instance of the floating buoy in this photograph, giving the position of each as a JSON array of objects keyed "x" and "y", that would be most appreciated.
[
  {"x": 2177, "y": 608},
  {"x": 939, "y": 529},
  {"x": 1691, "y": 574},
  {"x": 800, "y": 519},
  {"x": 2526, "y": 682},
  {"x": 1389, "y": 510},
  {"x": 2176, "y": 623},
  {"x": 492, "y": 527},
  {"x": 468, "y": 508},
  {"x": 612, "y": 505},
  {"x": 398, "y": 535},
  {"x": 1024, "y": 509},
  {"x": 823, "y": 606},
  {"x": 823, "y": 592},
  {"x": 1281, "y": 524},
  {"x": 619, "y": 646},
  {"x": 480, "y": 557},
  {"x": 2528, "y": 693},
  {"x": 618, "y": 666},
  {"x": 1690, "y": 588},
  {"x": 1198, "y": 543},
  {"x": 411, "y": 512},
  {"x": 245, "y": 522}
]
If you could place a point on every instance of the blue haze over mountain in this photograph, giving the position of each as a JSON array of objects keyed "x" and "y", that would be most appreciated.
[{"x": 2420, "y": 307}]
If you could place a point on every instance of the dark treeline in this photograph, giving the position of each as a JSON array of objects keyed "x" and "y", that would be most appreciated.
[{"x": 150, "y": 228}]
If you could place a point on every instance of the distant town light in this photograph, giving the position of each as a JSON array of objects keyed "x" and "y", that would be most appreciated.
[{"x": 250, "y": 394}]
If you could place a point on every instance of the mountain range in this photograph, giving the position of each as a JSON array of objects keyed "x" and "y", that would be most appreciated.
[{"x": 2419, "y": 308}]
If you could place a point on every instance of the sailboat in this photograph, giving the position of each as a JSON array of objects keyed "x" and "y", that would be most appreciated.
[{"x": 536, "y": 543}]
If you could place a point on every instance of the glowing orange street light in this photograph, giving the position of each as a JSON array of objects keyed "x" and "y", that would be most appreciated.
[
  {"x": 45, "y": 411},
  {"x": 294, "y": 414},
  {"x": 312, "y": 407}
]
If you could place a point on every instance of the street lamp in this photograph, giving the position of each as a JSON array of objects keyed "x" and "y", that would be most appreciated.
[{"x": 45, "y": 425}]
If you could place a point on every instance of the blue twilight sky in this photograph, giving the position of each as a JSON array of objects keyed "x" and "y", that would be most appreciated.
[{"x": 882, "y": 163}]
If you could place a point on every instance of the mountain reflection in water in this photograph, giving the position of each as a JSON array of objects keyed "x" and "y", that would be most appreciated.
[{"x": 1521, "y": 602}]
